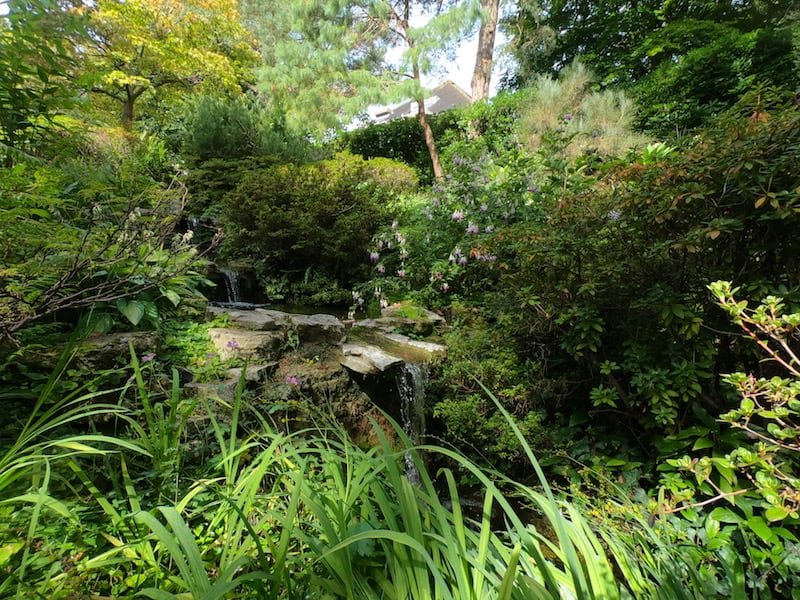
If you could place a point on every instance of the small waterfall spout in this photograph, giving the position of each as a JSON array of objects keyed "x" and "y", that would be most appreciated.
[
  {"x": 411, "y": 382},
  {"x": 231, "y": 284}
]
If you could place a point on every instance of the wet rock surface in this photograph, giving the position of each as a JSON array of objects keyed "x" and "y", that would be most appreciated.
[{"x": 316, "y": 359}]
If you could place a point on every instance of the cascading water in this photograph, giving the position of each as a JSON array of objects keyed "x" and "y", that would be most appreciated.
[
  {"x": 411, "y": 382},
  {"x": 231, "y": 284}
]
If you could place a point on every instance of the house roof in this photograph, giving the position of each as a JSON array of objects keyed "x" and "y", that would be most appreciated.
[{"x": 443, "y": 97}]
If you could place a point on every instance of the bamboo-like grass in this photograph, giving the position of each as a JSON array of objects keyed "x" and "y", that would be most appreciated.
[{"x": 309, "y": 514}]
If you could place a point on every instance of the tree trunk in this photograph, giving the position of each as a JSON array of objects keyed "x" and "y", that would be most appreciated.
[
  {"x": 422, "y": 117},
  {"x": 127, "y": 112},
  {"x": 482, "y": 74}
]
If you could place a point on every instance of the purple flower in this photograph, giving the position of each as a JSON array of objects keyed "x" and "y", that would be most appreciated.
[
  {"x": 374, "y": 257},
  {"x": 291, "y": 380},
  {"x": 614, "y": 214},
  {"x": 472, "y": 228},
  {"x": 232, "y": 344},
  {"x": 211, "y": 355},
  {"x": 462, "y": 261},
  {"x": 148, "y": 357},
  {"x": 568, "y": 117},
  {"x": 458, "y": 215},
  {"x": 401, "y": 273}
]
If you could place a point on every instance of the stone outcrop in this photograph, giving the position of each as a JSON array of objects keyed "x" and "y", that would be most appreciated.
[
  {"x": 247, "y": 344},
  {"x": 259, "y": 319},
  {"x": 315, "y": 358},
  {"x": 318, "y": 329},
  {"x": 366, "y": 359},
  {"x": 112, "y": 350}
]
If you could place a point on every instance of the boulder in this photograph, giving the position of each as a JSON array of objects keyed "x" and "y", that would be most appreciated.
[
  {"x": 259, "y": 319},
  {"x": 404, "y": 319},
  {"x": 430, "y": 348},
  {"x": 111, "y": 350},
  {"x": 318, "y": 329},
  {"x": 366, "y": 359},
  {"x": 250, "y": 345}
]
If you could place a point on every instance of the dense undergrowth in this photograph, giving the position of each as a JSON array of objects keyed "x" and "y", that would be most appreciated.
[{"x": 259, "y": 511}]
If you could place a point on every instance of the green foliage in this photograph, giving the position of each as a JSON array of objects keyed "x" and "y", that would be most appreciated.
[
  {"x": 483, "y": 127},
  {"x": 401, "y": 140},
  {"x": 300, "y": 220},
  {"x": 286, "y": 515},
  {"x": 186, "y": 45},
  {"x": 326, "y": 62},
  {"x": 95, "y": 232},
  {"x": 686, "y": 90},
  {"x": 616, "y": 278},
  {"x": 188, "y": 346},
  {"x": 36, "y": 39},
  {"x": 230, "y": 128},
  {"x": 754, "y": 474},
  {"x": 598, "y": 122}
]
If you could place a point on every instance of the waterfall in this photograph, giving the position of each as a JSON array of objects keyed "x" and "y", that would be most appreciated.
[
  {"x": 192, "y": 224},
  {"x": 411, "y": 382},
  {"x": 231, "y": 284}
]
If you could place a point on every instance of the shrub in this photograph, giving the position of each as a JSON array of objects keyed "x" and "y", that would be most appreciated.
[
  {"x": 302, "y": 219},
  {"x": 598, "y": 122},
  {"x": 687, "y": 91},
  {"x": 236, "y": 127},
  {"x": 612, "y": 283}
]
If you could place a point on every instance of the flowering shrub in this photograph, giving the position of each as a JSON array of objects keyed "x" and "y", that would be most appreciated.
[{"x": 440, "y": 246}]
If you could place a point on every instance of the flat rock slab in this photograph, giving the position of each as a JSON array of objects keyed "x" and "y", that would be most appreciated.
[
  {"x": 367, "y": 360},
  {"x": 250, "y": 345},
  {"x": 422, "y": 314},
  {"x": 258, "y": 319},
  {"x": 429, "y": 347},
  {"x": 383, "y": 324},
  {"x": 318, "y": 329},
  {"x": 107, "y": 351}
]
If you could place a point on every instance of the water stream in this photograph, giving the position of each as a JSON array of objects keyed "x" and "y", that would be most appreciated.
[
  {"x": 232, "y": 285},
  {"x": 411, "y": 382}
]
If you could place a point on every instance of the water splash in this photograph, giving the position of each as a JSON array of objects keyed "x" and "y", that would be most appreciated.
[
  {"x": 231, "y": 284},
  {"x": 411, "y": 381}
]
